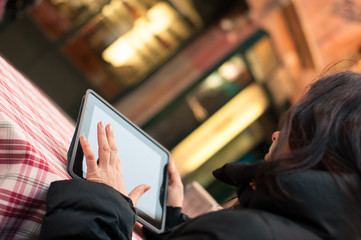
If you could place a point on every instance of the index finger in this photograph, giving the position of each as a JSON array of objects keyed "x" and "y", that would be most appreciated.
[{"x": 91, "y": 160}]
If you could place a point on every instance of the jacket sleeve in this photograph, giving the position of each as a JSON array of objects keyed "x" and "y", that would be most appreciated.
[
  {"x": 175, "y": 217},
  {"x": 78, "y": 209}
]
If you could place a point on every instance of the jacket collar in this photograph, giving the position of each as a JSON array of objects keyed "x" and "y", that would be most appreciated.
[{"x": 318, "y": 202}]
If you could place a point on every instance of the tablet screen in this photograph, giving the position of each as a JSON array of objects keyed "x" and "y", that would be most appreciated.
[{"x": 143, "y": 160}]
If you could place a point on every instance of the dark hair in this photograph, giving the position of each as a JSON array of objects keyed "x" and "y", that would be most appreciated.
[{"x": 322, "y": 131}]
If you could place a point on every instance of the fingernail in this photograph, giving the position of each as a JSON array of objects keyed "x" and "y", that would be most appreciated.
[
  {"x": 83, "y": 138},
  {"x": 146, "y": 187},
  {"x": 110, "y": 128},
  {"x": 101, "y": 123}
]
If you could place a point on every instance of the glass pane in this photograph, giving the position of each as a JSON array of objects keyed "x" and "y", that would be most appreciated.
[
  {"x": 249, "y": 146},
  {"x": 137, "y": 42},
  {"x": 199, "y": 103},
  {"x": 262, "y": 59},
  {"x": 234, "y": 151},
  {"x": 118, "y": 43}
]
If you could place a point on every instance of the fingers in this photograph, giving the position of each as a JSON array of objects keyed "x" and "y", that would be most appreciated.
[
  {"x": 175, "y": 187},
  {"x": 112, "y": 145},
  {"x": 173, "y": 173},
  {"x": 105, "y": 172},
  {"x": 137, "y": 192},
  {"x": 91, "y": 160},
  {"x": 104, "y": 150},
  {"x": 138, "y": 228}
]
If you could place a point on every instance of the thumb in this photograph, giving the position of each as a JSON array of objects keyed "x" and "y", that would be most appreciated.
[
  {"x": 137, "y": 192},
  {"x": 173, "y": 172}
]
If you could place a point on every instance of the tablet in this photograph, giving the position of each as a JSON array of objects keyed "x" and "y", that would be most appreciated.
[{"x": 144, "y": 161}]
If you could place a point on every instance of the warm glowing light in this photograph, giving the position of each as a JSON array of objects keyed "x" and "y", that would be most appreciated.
[
  {"x": 231, "y": 69},
  {"x": 119, "y": 52},
  {"x": 160, "y": 17},
  {"x": 110, "y": 9},
  {"x": 214, "y": 81},
  {"x": 220, "y": 129},
  {"x": 158, "y": 20},
  {"x": 142, "y": 32}
]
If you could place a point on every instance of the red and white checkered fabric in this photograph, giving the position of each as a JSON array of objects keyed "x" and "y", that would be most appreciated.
[{"x": 34, "y": 140}]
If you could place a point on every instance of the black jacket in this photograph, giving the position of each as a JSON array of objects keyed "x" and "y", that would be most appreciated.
[{"x": 318, "y": 209}]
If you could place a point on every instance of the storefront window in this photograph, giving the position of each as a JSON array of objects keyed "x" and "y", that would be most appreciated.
[
  {"x": 200, "y": 102},
  {"x": 262, "y": 58},
  {"x": 118, "y": 43},
  {"x": 220, "y": 114}
]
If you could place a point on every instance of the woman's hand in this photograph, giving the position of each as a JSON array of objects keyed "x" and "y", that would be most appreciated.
[
  {"x": 109, "y": 169},
  {"x": 175, "y": 188}
]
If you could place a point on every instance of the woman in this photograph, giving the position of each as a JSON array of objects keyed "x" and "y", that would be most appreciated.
[{"x": 308, "y": 187}]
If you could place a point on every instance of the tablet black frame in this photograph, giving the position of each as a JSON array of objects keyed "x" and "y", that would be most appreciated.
[{"x": 75, "y": 158}]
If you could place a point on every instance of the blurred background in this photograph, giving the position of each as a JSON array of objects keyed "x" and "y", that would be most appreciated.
[{"x": 208, "y": 79}]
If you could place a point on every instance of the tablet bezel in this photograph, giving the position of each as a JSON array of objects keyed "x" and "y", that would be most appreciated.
[{"x": 76, "y": 157}]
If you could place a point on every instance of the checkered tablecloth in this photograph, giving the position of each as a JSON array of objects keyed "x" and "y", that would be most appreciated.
[{"x": 34, "y": 139}]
